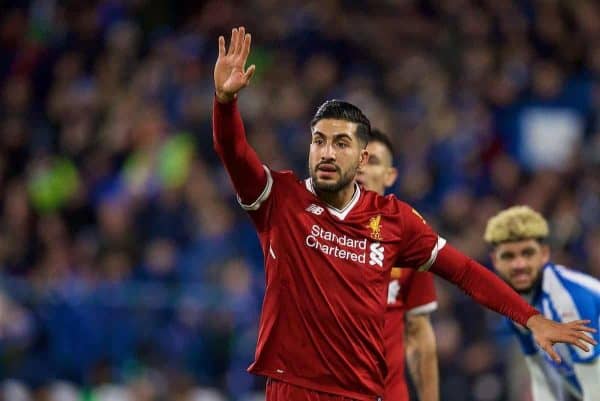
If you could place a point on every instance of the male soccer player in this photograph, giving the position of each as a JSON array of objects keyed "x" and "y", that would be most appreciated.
[
  {"x": 522, "y": 258},
  {"x": 411, "y": 296},
  {"x": 329, "y": 247}
]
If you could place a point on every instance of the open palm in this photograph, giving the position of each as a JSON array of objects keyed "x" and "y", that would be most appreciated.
[
  {"x": 547, "y": 333},
  {"x": 230, "y": 73}
]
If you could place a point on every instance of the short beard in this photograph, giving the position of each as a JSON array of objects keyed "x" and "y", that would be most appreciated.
[
  {"x": 532, "y": 289},
  {"x": 344, "y": 181}
]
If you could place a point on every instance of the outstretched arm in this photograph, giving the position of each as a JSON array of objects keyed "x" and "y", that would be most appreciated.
[
  {"x": 241, "y": 161},
  {"x": 489, "y": 290}
]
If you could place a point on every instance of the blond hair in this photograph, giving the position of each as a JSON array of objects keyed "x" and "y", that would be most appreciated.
[{"x": 515, "y": 224}]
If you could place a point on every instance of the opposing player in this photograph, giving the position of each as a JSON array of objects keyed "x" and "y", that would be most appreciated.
[
  {"x": 411, "y": 297},
  {"x": 522, "y": 258},
  {"x": 329, "y": 247}
]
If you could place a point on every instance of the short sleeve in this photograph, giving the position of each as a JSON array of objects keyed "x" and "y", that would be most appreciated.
[
  {"x": 420, "y": 244},
  {"x": 419, "y": 295}
]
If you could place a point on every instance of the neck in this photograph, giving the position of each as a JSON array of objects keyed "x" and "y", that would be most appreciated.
[{"x": 337, "y": 199}]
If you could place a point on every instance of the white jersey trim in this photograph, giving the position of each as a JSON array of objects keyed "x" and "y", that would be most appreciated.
[
  {"x": 422, "y": 309},
  {"x": 563, "y": 304},
  {"x": 540, "y": 385},
  {"x": 588, "y": 375},
  {"x": 441, "y": 242},
  {"x": 339, "y": 213},
  {"x": 588, "y": 282},
  {"x": 262, "y": 197}
]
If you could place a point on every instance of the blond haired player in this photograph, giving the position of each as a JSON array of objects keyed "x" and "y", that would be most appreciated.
[{"x": 521, "y": 257}]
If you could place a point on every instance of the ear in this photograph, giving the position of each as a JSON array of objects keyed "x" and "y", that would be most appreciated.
[
  {"x": 364, "y": 157},
  {"x": 391, "y": 175}
]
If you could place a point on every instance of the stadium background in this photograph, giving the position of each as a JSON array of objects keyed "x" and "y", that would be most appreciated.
[{"x": 126, "y": 270}]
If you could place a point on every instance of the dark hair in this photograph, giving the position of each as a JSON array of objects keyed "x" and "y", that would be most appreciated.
[
  {"x": 340, "y": 110},
  {"x": 379, "y": 136}
]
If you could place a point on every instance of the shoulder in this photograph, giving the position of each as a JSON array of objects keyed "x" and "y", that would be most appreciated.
[
  {"x": 571, "y": 295},
  {"x": 388, "y": 204},
  {"x": 283, "y": 175},
  {"x": 286, "y": 178},
  {"x": 560, "y": 279}
]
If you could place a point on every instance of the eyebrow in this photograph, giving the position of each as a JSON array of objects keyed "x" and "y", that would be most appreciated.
[
  {"x": 339, "y": 135},
  {"x": 520, "y": 252}
]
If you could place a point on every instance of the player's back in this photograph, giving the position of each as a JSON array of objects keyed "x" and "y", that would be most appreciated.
[{"x": 327, "y": 273}]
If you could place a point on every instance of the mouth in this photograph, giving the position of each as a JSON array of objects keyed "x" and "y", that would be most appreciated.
[
  {"x": 327, "y": 170},
  {"x": 520, "y": 278}
]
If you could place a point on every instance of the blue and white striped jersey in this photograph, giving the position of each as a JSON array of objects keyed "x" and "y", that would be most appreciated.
[{"x": 564, "y": 295}]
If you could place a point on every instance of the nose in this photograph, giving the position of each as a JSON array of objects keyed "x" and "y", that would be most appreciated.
[
  {"x": 519, "y": 263},
  {"x": 328, "y": 152}
]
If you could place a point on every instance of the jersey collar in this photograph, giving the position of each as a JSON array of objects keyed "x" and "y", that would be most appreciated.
[{"x": 339, "y": 213}]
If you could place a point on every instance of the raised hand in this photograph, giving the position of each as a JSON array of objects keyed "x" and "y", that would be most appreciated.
[
  {"x": 230, "y": 73},
  {"x": 548, "y": 332}
]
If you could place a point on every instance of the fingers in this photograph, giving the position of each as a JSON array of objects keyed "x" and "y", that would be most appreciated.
[
  {"x": 578, "y": 342},
  {"x": 581, "y": 325},
  {"x": 239, "y": 45},
  {"x": 585, "y": 328},
  {"x": 221, "y": 46},
  {"x": 581, "y": 345},
  {"x": 246, "y": 47},
  {"x": 232, "y": 42},
  {"x": 586, "y": 338},
  {"x": 550, "y": 351},
  {"x": 249, "y": 73},
  {"x": 241, "y": 33}
]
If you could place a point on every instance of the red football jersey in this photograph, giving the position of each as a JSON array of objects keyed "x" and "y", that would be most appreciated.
[
  {"x": 409, "y": 292},
  {"x": 327, "y": 275}
]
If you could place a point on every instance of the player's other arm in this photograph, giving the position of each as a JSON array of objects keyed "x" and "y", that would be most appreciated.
[
  {"x": 421, "y": 356},
  {"x": 420, "y": 345},
  {"x": 245, "y": 169}
]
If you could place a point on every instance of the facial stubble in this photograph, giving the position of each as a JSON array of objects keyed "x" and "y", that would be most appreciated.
[{"x": 345, "y": 179}]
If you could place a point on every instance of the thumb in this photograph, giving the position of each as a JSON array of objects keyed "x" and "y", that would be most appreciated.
[{"x": 249, "y": 73}]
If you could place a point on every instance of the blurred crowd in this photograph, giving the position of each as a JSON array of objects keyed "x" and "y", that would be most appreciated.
[{"x": 127, "y": 271}]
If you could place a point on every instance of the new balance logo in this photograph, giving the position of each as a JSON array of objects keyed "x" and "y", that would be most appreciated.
[
  {"x": 376, "y": 256},
  {"x": 315, "y": 209}
]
